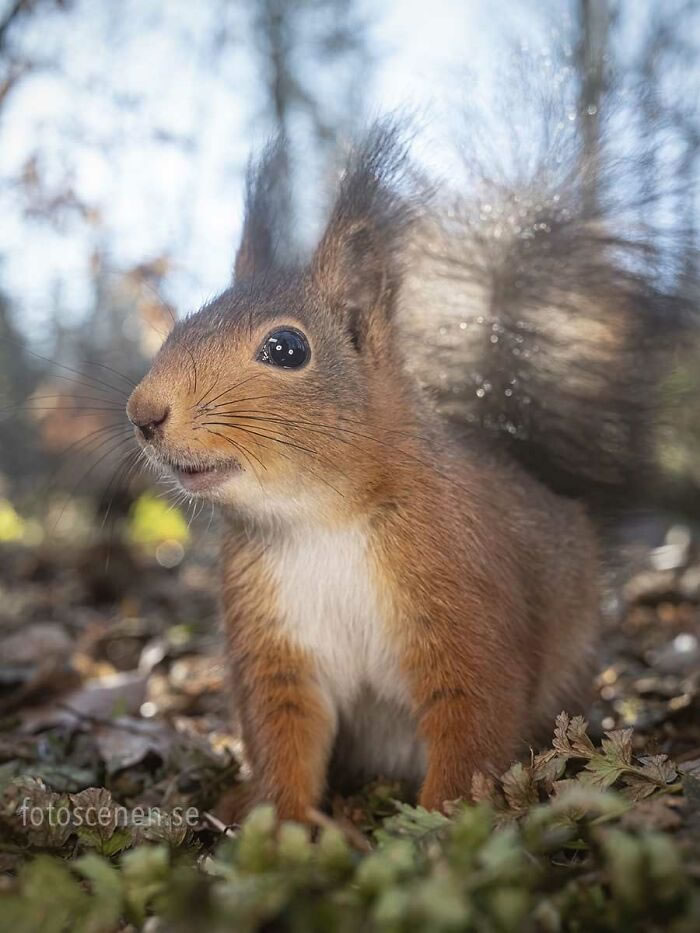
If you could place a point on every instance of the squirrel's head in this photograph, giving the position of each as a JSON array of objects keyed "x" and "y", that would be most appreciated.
[{"x": 277, "y": 396}]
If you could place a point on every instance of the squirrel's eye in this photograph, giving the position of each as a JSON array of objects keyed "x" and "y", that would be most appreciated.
[{"x": 286, "y": 348}]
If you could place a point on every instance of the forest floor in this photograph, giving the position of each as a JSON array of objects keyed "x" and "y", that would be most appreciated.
[{"x": 113, "y": 694}]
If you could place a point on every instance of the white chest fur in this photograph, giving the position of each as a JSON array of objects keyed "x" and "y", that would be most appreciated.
[{"x": 329, "y": 605}]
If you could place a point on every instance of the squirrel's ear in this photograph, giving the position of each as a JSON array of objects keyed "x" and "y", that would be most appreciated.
[
  {"x": 357, "y": 264},
  {"x": 267, "y": 185}
]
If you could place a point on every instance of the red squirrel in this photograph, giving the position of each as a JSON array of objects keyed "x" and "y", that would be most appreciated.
[{"x": 402, "y": 597}]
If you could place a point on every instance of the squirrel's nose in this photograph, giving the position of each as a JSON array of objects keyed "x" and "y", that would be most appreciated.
[{"x": 147, "y": 414}]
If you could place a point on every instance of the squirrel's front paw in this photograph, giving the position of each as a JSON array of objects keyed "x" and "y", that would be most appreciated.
[{"x": 235, "y": 804}]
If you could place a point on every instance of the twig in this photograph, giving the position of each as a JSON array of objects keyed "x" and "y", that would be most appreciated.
[{"x": 218, "y": 825}]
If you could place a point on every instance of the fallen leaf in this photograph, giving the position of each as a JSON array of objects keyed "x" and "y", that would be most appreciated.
[
  {"x": 483, "y": 788},
  {"x": 98, "y": 822},
  {"x": 519, "y": 787},
  {"x": 658, "y": 768},
  {"x": 35, "y": 813},
  {"x": 126, "y": 741},
  {"x": 547, "y": 768},
  {"x": 660, "y": 812},
  {"x": 35, "y": 643},
  {"x": 115, "y": 695},
  {"x": 617, "y": 746}
]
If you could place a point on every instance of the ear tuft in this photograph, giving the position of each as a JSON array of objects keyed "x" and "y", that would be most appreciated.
[
  {"x": 357, "y": 264},
  {"x": 266, "y": 212}
]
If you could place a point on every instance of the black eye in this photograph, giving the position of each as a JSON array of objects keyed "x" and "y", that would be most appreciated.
[{"x": 286, "y": 348}]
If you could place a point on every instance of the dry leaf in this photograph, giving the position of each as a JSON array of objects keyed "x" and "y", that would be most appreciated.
[
  {"x": 114, "y": 695},
  {"x": 519, "y": 788},
  {"x": 127, "y": 741}
]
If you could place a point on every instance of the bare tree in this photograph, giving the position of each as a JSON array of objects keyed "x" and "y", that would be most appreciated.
[
  {"x": 594, "y": 26},
  {"x": 304, "y": 48}
]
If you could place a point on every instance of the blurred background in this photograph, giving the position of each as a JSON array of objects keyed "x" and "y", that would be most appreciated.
[{"x": 125, "y": 129}]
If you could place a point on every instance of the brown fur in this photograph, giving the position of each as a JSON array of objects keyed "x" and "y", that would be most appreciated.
[
  {"x": 286, "y": 727},
  {"x": 486, "y": 582}
]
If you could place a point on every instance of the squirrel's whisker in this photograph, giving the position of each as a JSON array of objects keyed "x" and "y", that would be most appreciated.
[
  {"x": 250, "y": 398},
  {"x": 279, "y": 441},
  {"x": 109, "y": 431},
  {"x": 59, "y": 396},
  {"x": 236, "y": 385},
  {"x": 129, "y": 382},
  {"x": 238, "y": 446},
  {"x": 115, "y": 445},
  {"x": 210, "y": 389},
  {"x": 334, "y": 432},
  {"x": 83, "y": 409},
  {"x": 194, "y": 367},
  {"x": 110, "y": 393},
  {"x": 231, "y": 424},
  {"x": 287, "y": 443},
  {"x": 81, "y": 376},
  {"x": 127, "y": 463}
]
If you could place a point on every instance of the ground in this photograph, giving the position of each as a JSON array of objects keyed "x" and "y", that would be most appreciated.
[{"x": 113, "y": 695}]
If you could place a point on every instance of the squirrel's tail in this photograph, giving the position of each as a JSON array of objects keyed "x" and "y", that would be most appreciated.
[{"x": 542, "y": 314}]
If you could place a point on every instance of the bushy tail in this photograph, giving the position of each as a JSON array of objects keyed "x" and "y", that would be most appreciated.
[{"x": 542, "y": 313}]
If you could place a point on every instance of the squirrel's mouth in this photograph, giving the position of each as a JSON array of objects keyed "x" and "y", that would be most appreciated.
[{"x": 203, "y": 477}]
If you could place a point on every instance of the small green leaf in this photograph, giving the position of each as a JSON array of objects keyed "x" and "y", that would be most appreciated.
[
  {"x": 600, "y": 772},
  {"x": 624, "y": 857},
  {"x": 146, "y": 871},
  {"x": 293, "y": 845},
  {"x": 107, "y": 900},
  {"x": 416, "y": 823}
]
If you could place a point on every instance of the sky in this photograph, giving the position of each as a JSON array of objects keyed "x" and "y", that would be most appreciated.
[{"x": 162, "y": 165}]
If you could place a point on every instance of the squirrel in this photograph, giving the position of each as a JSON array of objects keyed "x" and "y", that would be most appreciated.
[{"x": 404, "y": 434}]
